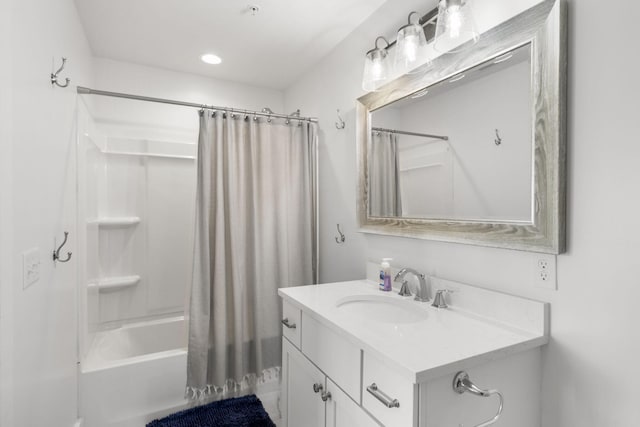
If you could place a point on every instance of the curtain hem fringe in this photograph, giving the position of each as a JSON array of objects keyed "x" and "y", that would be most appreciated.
[{"x": 231, "y": 388}]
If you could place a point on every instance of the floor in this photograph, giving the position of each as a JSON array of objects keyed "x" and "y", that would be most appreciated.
[{"x": 271, "y": 403}]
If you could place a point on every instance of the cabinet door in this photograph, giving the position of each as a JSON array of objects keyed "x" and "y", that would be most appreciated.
[
  {"x": 343, "y": 412},
  {"x": 302, "y": 406}
]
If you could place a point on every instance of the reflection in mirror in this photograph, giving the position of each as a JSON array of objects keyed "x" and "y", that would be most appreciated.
[{"x": 461, "y": 149}]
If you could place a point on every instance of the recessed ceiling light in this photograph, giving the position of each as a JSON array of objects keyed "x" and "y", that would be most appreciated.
[
  {"x": 210, "y": 58},
  {"x": 457, "y": 78}
]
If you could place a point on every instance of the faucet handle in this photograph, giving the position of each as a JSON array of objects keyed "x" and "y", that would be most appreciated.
[
  {"x": 439, "y": 300},
  {"x": 404, "y": 289}
]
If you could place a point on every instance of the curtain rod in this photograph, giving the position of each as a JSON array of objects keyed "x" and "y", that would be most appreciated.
[
  {"x": 86, "y": 91},
  {"x": 402, "y": 132}
]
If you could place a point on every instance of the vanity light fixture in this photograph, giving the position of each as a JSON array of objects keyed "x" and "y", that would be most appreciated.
[
  {"x": 210, "y": 58},
  {"x": 411, "y": 47},
  {"x": 455, "y": 26},
  {"x": 376, "y": 66}
]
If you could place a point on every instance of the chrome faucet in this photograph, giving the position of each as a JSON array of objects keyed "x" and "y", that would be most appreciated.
[{"x": 422, "y": 293}]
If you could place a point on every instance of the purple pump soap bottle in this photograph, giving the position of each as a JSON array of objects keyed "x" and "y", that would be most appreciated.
[{"x": 385, "y": 267}]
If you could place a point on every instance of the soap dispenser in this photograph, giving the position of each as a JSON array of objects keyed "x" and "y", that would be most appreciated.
[{"x": 385, "y": 274}]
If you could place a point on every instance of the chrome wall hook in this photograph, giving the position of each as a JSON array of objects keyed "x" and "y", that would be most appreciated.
[
  {"x": 498, "y": 140},
  {"x": 54, "y": 76},
  {"x": 462, "y": 384},
  {"x": 341, "y": 124},
  {"x": 340, "y": 239},
  {"x": 56, "y": 252}
]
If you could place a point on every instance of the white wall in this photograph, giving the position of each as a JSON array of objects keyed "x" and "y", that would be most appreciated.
[
  {"x": 118, "y": 76},
  {"x": 6, "y": 282},
  {"x": 43, "y": 348},
  {"x": 594, "y": 345}
]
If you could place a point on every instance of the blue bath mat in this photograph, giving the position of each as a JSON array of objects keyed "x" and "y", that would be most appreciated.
[{"x": 246, "y": 411}]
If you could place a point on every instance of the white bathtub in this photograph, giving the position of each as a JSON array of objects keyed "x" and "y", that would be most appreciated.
[{"x": 134, "y": 374}]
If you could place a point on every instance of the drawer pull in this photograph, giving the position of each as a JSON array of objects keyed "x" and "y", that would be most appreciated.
[
  {"x": 286, "y": 323},
  {"x": 383, "y": 397},
  {"x": 317, "y": 388},
  {"x": 326, "y": 395}
]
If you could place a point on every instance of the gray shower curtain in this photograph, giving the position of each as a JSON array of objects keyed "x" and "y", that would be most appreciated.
[
  {"x": 384, "y": 175},
  {"x": 255, "y": 232}
]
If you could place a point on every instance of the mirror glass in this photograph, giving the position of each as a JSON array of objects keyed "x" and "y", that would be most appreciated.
[{"x": 461, "y": 149}]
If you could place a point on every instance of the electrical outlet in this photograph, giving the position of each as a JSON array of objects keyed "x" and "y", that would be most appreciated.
[
  {"x": 544, "y": 272},
  {"x": 30, "y": 267}
]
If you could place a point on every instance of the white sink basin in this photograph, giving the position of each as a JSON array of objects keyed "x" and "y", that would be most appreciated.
[{"x": 383, "y": 309}]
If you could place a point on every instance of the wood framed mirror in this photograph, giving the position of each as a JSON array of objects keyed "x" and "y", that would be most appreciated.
[{"x": 472, "y": 148}]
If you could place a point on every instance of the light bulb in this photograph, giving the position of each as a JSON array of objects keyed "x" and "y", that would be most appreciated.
[
  {"x": 376, "y": 69},
  {"x": 455, "y": 26},
  {"x": 454, "y": 18},
  {"x": 411, "y": 48}
]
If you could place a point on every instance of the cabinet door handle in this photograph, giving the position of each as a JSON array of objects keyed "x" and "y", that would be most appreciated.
[
  {"x": 326, "y": 395},
  {"x": 383, "y": 397},
  {"x": 317, "y": 387},
  {"x": 286, "y": 323}
]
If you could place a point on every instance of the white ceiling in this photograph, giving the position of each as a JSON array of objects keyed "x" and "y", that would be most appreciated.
[{"x": 270, "y": 49}]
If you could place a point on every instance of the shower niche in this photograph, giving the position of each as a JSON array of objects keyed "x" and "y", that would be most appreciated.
[{"x": 136, "y": 200}]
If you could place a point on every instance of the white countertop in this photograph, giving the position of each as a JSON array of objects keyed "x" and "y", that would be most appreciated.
[{"x": 448, "y": 340}]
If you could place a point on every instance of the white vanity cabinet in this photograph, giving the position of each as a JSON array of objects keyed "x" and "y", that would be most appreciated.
[
  {"x": 310, "y": 398},
  {"x": 302, "y": 403},
  {"x": 340, "y": 368}
]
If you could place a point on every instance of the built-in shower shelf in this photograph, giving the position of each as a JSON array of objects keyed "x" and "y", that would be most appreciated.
[
  {"x": 112, "y": 284},
  {"x": 117, "y": 221}
]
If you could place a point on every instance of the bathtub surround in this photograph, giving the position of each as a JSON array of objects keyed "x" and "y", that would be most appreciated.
[{"x": 255, "y": 232}]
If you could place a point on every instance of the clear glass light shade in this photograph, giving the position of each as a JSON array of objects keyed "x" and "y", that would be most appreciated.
[
  {"x": 455, "y": 26},
  {"x": 376, "y": 69},
  {"x": 411, "y": 48}
]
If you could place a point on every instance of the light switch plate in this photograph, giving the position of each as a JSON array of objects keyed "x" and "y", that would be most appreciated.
[{"x": 30, "y": 267}]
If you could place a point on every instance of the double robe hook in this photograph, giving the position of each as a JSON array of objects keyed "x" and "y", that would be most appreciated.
[
  {"x": 340, "y": 239},
  {"x": 340, "y": 124},
  {"x": 56, "y": 252},
  {"x": 54, "y": 76}
]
